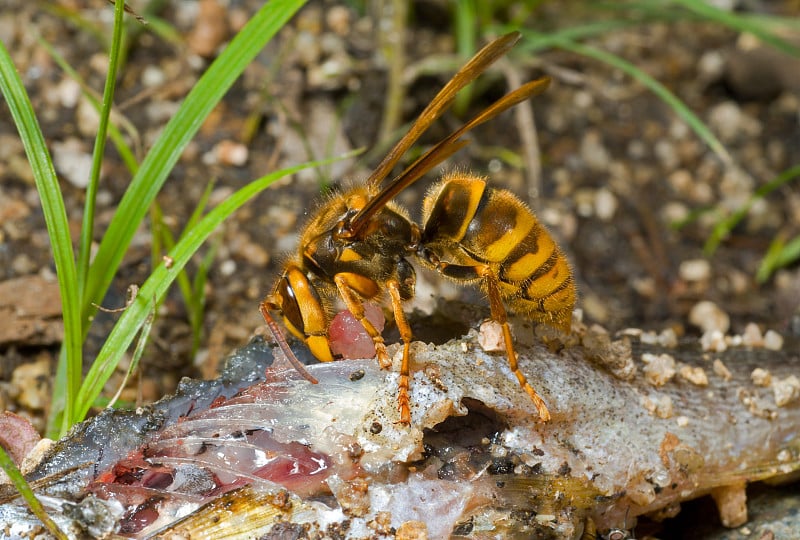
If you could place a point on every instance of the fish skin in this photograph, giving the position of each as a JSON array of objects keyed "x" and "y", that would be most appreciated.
[{"x": 613, "y": 456}]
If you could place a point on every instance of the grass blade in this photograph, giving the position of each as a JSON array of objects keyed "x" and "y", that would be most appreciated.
[
  {"x": 8, "y": 465},
  {"x": 739, "y": 23},
  {"x": 176, "y": 135},
  {"x": 87, "y": 227},
  {"x": 159, "y": 281},
  {"x": 55, "y": 215},
  {"x": 724, "y": 226}
]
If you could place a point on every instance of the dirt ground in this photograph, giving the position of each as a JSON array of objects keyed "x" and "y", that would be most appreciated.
[{"x": 617, "y": 168}]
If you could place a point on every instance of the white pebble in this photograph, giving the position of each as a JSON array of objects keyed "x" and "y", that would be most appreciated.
[
  {"x": 786, "y": 390},
  {"x": 695, "y": 270},
  {"x": 773, "y": 340},
  {"x": 231, "y": 153},
  {"x": 490, "y": 337},
  {"x": 153, "y": 76},
  {"x": 605, "y": 204},
  {"x": 708, "y": 316},
  {"x": 69, "y": 92},
  {"x": 648, "y": 338},
  {"x": 729, "y": 121},
  {"x": 227, "y": 267},
  {"x": 695, "y": 375},
  {"x": 761, "y": 377},
  {"x": 713, "y": 340},
  {"x": 593, "y": 153},
  {"x": 74, "y": 164},
  {"x": 668, "y": 338},
  {"x": 751, "y": 337},
  {"x": 658, "y": 369}
]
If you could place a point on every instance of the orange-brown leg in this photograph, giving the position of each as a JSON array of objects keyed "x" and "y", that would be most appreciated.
[
  {"x": 499, "y": 315},
  {"x": 462, "y": 272},
  {"x": 403, "y": 401},
  {"x": 356, "y": 307}
]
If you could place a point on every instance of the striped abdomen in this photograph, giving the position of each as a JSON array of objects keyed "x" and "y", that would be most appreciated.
[{"x": 470, "y": 225}]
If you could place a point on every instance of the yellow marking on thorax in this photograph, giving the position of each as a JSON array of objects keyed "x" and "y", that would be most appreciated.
[{"x": 349, "y": 255}]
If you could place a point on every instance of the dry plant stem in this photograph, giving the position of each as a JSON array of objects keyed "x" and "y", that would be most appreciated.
[
  {"x": 392, "y": 43},
  {"x": 648, "y": 245},
  {"x": 526, "y": 126}
]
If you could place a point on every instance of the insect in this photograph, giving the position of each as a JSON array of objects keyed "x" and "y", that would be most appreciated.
[{"x": 358, "y": 244}]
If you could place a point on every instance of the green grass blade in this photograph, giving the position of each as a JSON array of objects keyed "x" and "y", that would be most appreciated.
[
  {"x": 788, "y": 254},
  {"x": 536, "y": 41},
  {"x": 159, "y": 281},
  {"x": 55, "y": 215},
  {"x": 724, "y": 226},
  {"x": 656, "y": 87},
  {"x": 176, "y": 135},
  {"x": 770, "y": 261},
  {"x": 739, "y": 23},
  {"x": 87, "y": 227},
  {"x": 8, "y": 465}
]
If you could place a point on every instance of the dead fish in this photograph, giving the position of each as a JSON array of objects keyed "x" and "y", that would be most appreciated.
[{"x": 635, "y": 430}]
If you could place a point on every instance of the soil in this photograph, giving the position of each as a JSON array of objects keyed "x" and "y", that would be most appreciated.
[{"x": 618, "y": 168}]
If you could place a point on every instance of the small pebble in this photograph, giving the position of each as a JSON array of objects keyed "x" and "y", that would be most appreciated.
[
  {"x": 682, "y": 421},
  {"x": 87, "y": 118},
  {"x": 412, "y": 530},
  {"x": 649, "y": 338},
  {"x": 12, "y": 209},
  {"x": 660, "y": 406},
  {"x": 68, "y": 92},
  {"x": 210, "y": 30},
  {"x": 227, "y": 268},
  {"x": 23, "y": 264},
  {"x": 695, "y": 375},
  {"x": 761, "y": 377},
  {"x": 338, "y": 20},
  {"x": 711, "y": 66},
  {"x": 32, "y": 380},
  {"x": 734, "y": 341},
  {"x": 709, "y": 317},
  {"x": 695, "y": 270},
  {"x": 751, "y": 337},
  {"x": 254, "y": 254},
  {"x": 594, "y": 155},
  {"x": 668, "y": 338},
  {"x": 231, "y": 153},
  {"x": 153, "y": 76},
  {"x": 659, "y": 369},
  {"x": 773, "y": 341},
  {"x": 786, "y": 390},
  {"x": 667, "y": 154},
  {"x": 713, "y": 341},
  {"x": 722, "y": 370},
  {"x": 605, "y": 204},
  {"x": 72, "y": 162},
  {"x": 730, "y": 123},
  {"x": 490, "y": 337}
]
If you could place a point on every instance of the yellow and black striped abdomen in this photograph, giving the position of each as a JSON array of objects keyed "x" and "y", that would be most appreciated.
[{"x": 468, "y": 223}]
